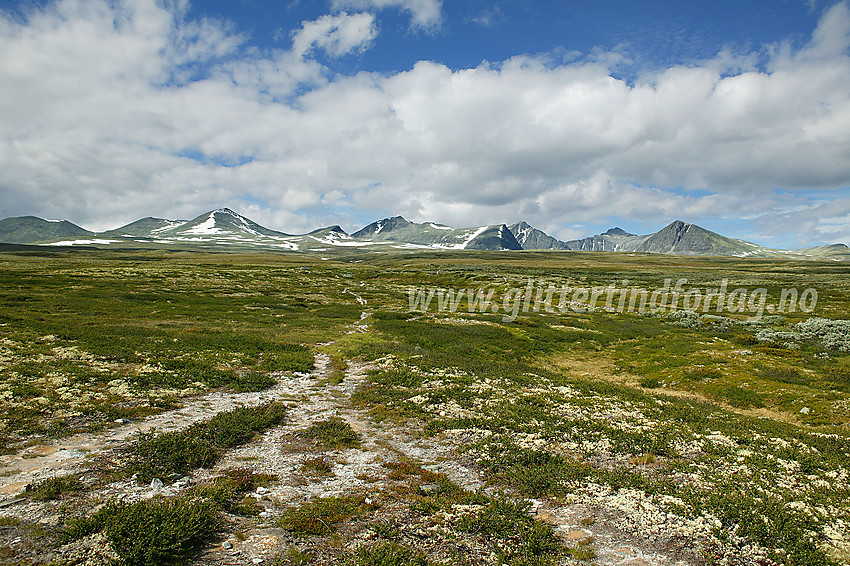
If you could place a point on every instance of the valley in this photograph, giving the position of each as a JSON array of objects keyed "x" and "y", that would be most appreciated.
[{"x": 167, "y": 406}]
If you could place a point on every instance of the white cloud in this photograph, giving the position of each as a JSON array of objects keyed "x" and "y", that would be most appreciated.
[
  {"x": 424, "y": 14},
  {"x": 117, "y": 110},
  {"x": 337, "y": 34}
]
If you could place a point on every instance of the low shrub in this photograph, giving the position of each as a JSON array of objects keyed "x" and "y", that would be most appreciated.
[
  {"x": 253, "y": 381},
  {"x": 333, "y": 433},
  {"x": 322, "y": 515},
  {"x": 153, "y": 532},
  {"x": 698, "y": 374},
  {"x": 160, "y": 455},
  {"x": 538, "y": 472},
  {"x": 389, "y": 553},
  {"x": 519, "y": 538},
  {"x": 740, "y": 397},
  {"x": 784, "y": 375},
  {"x": 53, "y": 488},
  {"x": 319, "y": 466}
]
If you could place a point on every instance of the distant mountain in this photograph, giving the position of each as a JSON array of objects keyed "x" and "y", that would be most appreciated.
[
  {"x": 530, "y": 238},
  {"x": 429, "y": 234},
  {"x": 219, "y": 223},
  {"x": 147, "y": 227},
  {"x": 226, "y": 229},
  {"x": 681, "y": 238},
  {"x": 30, "y": 230},
  {"x": 837, "y": 252},
  {"x": 615, "y": 239},
  {"x": 678, "y": 238},
  {"x": 612, "y": 240}
]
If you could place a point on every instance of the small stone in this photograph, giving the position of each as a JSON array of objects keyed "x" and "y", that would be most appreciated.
[
  {"x": 262, "y": 491},
  {"x": 123, "y": 421},
  {"x": 257, "y": 560},
  {"x": 264, "y": 514},
  {"x": 227, "y": 545},
  {"x": 156, "y": 484},
  {"x": 805, "y": 410}
]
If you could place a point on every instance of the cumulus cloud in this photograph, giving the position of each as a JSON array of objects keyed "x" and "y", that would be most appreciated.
[
  {"x": 117, "y": 110},
  {"x": 337, "y": 34},
  {"x": 424, "y": 14}
]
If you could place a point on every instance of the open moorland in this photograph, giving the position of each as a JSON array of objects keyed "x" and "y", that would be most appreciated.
[{"x": 167, "y": 407}]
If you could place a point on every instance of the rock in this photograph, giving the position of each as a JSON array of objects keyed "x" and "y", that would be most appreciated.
[
  {"x": 257, "y": 561},
  {"x": 262, "y": 491},
  {"x": 805, "y": 410},
  {"x": 156, "y": 484},
  {"x": 264, "y": 514},
  {"x": 227, "y": 545},
  {"x": 123, "y": 421}
]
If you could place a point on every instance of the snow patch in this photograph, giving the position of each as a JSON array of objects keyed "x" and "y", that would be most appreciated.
[
  {"x": 171, "y": 224},
  {"x": 82, "y": 242},
  {"x": 207, "y": 227},
  {"x": 469, "y": 237}
]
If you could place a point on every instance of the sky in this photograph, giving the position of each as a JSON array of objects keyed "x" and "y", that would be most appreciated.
[{"x": 574, "y": 116}]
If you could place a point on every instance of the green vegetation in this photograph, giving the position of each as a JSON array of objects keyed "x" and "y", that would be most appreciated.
[
  {"x": 734, "y": 431},
  {"x": 161, "y": 455},
  {"x": 389, "y": 553},
  {"x": 333, "y": 433},
  {"x": 53, "y": 488},
  {"x": 532, "y": 542},
  {"x": 170, "y": 530},
  {"x": 154, "y": 532},
  {"x": 321, "y": 516}
]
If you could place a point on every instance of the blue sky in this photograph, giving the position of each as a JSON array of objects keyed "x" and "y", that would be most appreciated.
[{"x": 573, "y": 116}]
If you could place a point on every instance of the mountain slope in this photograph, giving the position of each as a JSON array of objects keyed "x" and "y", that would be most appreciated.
[
  {"x": 221, "y": 223},
  {"x": 530, "y": 238},
  {"x": 31, "y": 229},
  {"x": 681, "y": 238},
  {"x": 837, "y": 252},
  {"x": 147, "y": 227},
  {"x": 225, "y": 229},
  {"x": 613, "y": 240},
  {"x": 428, "y": 234}
]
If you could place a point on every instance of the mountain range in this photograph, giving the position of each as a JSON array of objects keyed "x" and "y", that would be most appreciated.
[{"x": 224, "y": 228}]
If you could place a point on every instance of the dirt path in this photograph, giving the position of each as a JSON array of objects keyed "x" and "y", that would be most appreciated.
[
  {"x": 589, "y": 520},
  {"x": 68, "y": 455}
]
